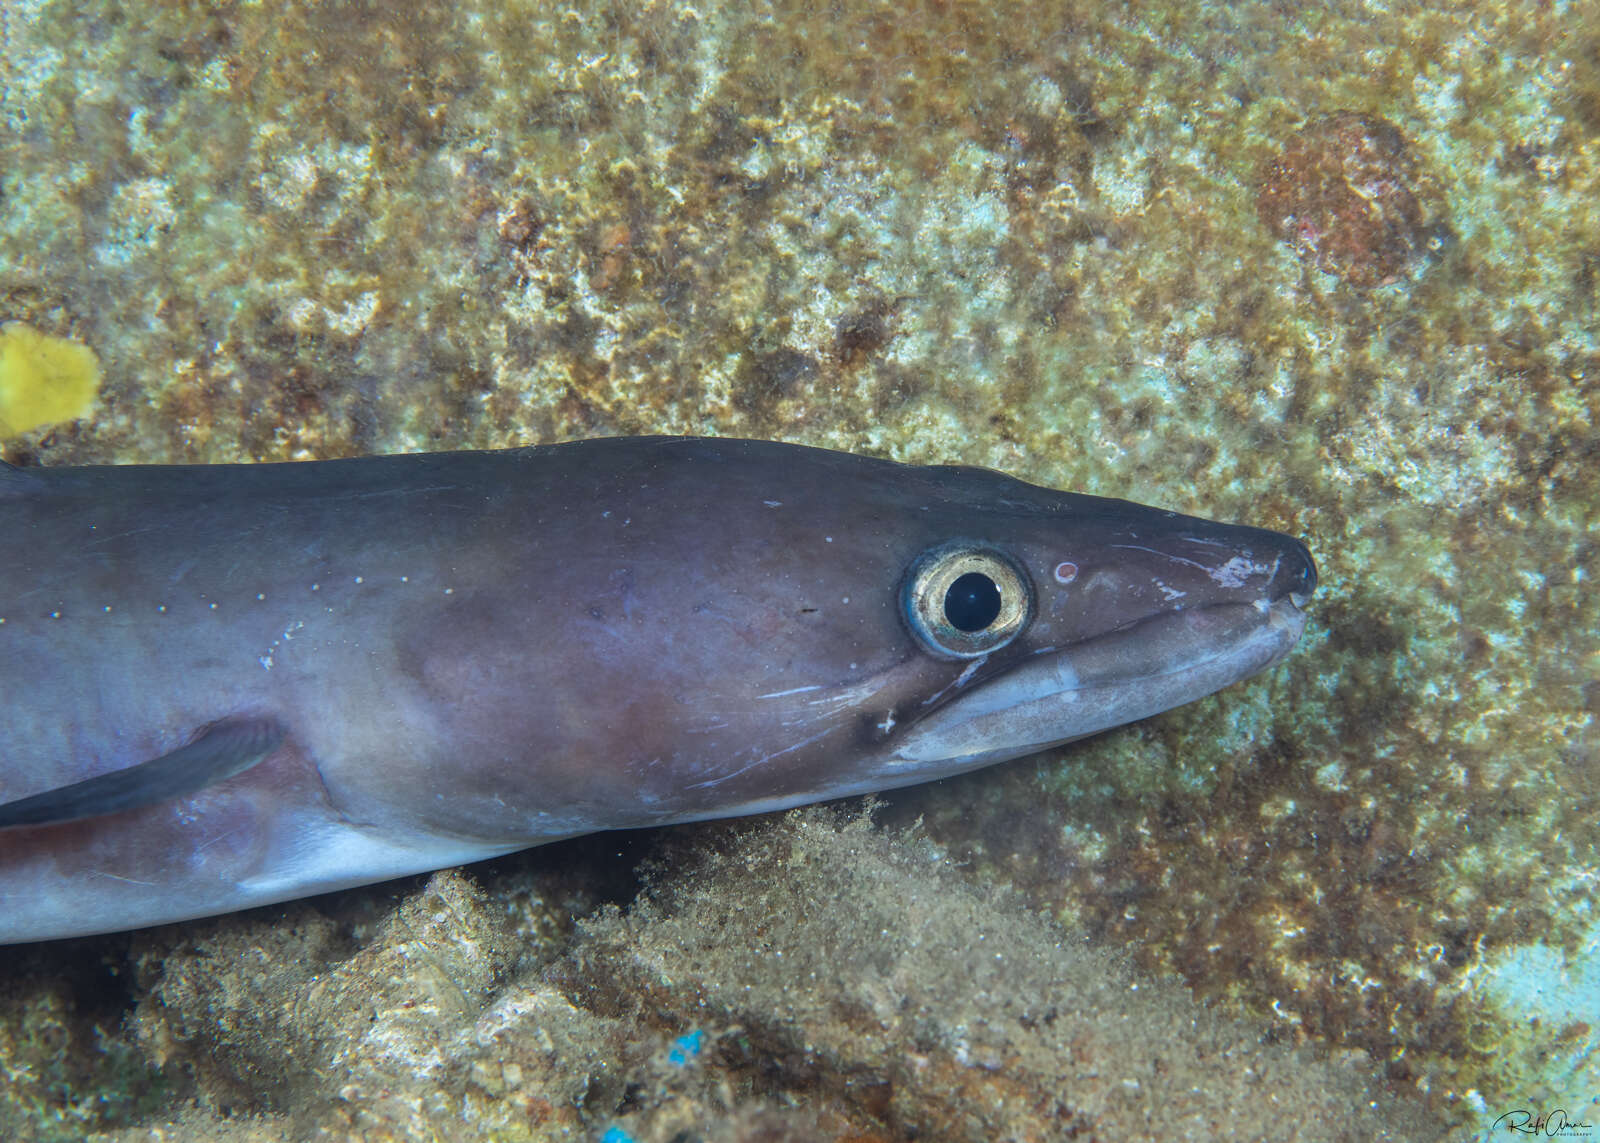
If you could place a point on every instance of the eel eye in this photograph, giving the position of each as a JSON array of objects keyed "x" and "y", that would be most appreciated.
[{"x": 962, "y": 600}]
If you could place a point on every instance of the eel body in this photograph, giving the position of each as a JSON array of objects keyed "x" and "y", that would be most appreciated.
[{"x": 223, "y": 686}]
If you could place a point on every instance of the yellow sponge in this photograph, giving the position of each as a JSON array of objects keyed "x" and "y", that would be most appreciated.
[{"x": 43, "y": 379}]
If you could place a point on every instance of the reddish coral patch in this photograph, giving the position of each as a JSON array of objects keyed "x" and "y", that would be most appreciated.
[{"x": 1342, "y": 194}]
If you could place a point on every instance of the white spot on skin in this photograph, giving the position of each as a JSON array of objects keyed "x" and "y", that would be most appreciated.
[
  {"x": 773, "y": 503},
  {"x": 266, "y": 661},
  {"x": 888, "y": 722},
  {"x": 1237, "y": 571},
  {"x": 1066, "y": 571},
  {"x": 260, "y": 597},
  {"x": 1169, "y": 593},
  {"x": 361, "y": 579}
]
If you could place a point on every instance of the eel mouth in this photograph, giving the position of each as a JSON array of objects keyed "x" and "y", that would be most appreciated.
[{"x": 1131, "y": 673}]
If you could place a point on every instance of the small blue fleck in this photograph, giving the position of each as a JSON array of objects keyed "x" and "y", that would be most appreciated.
[
  {"x": 685, "y": 1048},
  {"x": 616, "y": 1135}
]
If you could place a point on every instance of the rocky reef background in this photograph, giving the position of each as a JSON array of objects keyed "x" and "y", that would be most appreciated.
[{"x": 1334, "y": 270}]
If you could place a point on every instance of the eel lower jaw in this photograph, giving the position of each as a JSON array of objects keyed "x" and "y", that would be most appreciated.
[{"x": 1132, "y": 673}]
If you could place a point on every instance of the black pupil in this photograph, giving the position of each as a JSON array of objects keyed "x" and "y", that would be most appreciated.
[{"x": 972, "y": 603}]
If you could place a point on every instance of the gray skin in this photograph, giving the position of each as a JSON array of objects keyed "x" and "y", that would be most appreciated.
[{"x": 436, "y": 658}]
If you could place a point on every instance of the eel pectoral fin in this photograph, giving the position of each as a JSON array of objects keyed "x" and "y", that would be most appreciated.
[{"x": 217, "y": 753}]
